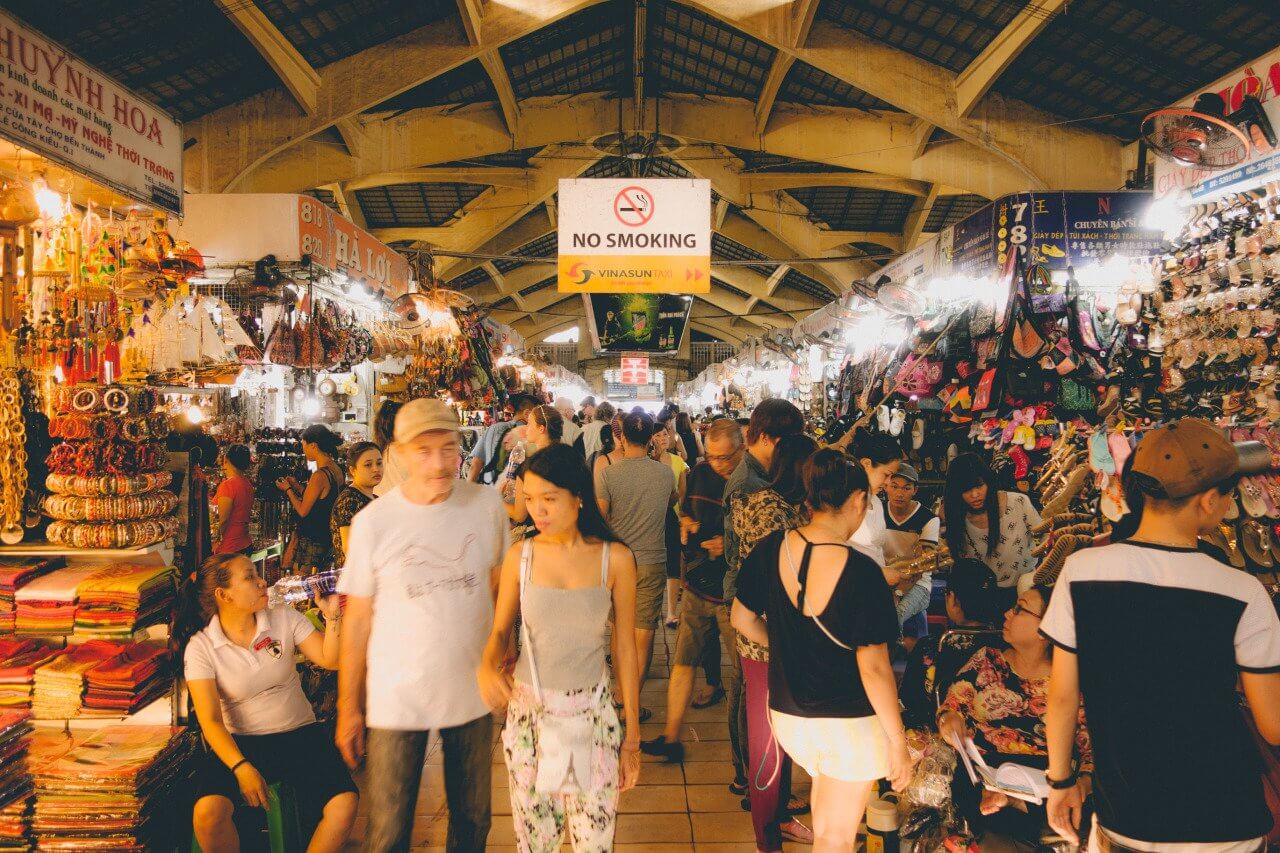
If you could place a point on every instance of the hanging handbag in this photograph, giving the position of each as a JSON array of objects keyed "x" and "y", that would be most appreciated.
[{"x": 1075, "y": 397}]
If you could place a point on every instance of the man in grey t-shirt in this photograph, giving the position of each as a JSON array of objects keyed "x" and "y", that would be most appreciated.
[{"x": 635, "y": 494}]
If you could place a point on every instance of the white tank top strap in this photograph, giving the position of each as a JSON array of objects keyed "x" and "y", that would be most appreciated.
[{"x": 604, "y": 565}]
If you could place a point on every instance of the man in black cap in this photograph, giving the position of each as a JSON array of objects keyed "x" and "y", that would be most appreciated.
[{"x": 1153, "y": 634}]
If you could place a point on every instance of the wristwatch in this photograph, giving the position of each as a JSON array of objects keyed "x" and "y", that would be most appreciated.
[{"x": 1064, "y": 784}]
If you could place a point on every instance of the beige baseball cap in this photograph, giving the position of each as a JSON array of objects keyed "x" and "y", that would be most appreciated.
[
  {"x": 1189, "y": 456},
  {"x": 424, "y": 415}
]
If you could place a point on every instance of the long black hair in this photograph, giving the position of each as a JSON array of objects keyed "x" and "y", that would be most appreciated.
[
  {"x": 326, "y": 439},
  {"x": 968, "y": 471},
  {"x": 563, "y": 467},
  {"x": 830, "y": 478},
  {"x": 786, "y": 471}
]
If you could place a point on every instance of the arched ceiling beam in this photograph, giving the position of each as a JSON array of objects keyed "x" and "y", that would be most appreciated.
[
  {"x": 1033, "y": 141},
  {"x": 913, "y": 227},
  {"x": 234, "y": 140},
  {"x": 764, "y": 182},
  {"x": 297, "y": 75},
  {"x": 494, "y": 176},
  {"x": 981, "y": 74},
  {"x": 889, "y": 239},
  {"x": 881, "y": 143},
  {"x": 529, "y": 228}
]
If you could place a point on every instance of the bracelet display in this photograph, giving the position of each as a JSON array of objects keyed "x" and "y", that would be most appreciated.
[
  {"x": 135, "y": 428},
  {"x": 107, "y": 457},
  {"x": 99, "y": 485},
  {"x": 121, "y": 508},
  {"x": 122, "y": 534},
  {"x": 112, "y": 400}
]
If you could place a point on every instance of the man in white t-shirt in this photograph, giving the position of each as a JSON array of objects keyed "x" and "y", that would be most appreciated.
[
  {"x": 425, "y": 558},
  {"x": 880, "y": 457},
  {"x": 571, "y": 430},
  {"x": 910, "y": 528},
  {"x": 1154, "y": 634}
]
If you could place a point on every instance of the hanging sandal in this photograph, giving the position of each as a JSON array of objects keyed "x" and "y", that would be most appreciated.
[{"x": 1256, "y": 545}]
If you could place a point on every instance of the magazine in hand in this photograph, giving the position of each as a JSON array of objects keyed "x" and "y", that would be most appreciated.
[{"x": 1014, "y": 780}]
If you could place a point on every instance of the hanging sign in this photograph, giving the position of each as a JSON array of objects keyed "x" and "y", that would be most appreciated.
[
  {"x": 339, "y": 246},
  {"x": 634, "y": 235},
  {"x": 58, "y": 106},
  {"x": 635, "y": 369},
  {"x": 1261, "y": 79}
]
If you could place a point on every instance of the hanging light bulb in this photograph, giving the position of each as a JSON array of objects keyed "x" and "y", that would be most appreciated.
[
  {"x": 311, "y": 406},
  {"x": 50, "y": 203},
  {"x": 195, "y": 414}
]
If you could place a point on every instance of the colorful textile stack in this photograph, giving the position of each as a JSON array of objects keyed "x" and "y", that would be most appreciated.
[
  {"x": 121, "y": 598},
  {"x": 47, "y": 605},
  {"x": 15, "y": 779},
  {"x": 114, "y": 791},
  {"x": 136, "y": 677},
  {"x": 17, "y": 573},
  {"x": 59, "y": 684},
  {"x": 18, "y": 662}
]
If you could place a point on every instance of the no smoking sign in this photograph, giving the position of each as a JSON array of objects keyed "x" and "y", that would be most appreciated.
[{"x": 633, "y": 206}]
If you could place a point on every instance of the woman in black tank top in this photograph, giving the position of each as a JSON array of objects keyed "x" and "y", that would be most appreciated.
[{"x": 314, "y": 504}]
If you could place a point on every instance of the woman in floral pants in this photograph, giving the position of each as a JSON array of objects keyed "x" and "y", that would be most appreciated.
[{"x": 565, "y": 748}]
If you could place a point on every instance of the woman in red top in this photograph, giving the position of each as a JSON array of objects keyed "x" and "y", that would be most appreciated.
[{"x": 235, "y": 502}]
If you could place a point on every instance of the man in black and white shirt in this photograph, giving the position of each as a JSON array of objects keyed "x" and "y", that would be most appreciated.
[{"x": 1153, "y": 634}]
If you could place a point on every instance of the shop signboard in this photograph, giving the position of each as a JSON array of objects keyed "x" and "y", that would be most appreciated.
[
  {"x": 637, "y": 322},
  {"x": 55, "y": 104},
  {"x": 1100, "y": 225},
  {"x": 972, "y": 245},
  {"x": 618, "y": 391},
  {"x": 339, "y": 246},
  {"x": 634, "y": 235},
  {"x": 912, "y": 269},
  {"x": 1261, "y": 79}
]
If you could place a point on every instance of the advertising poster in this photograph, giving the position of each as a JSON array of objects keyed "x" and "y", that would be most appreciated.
[
  {"x": 1100, "y": 225},
  {"x": 637, "y": 322},
  {"x": 634, "y": 235}
]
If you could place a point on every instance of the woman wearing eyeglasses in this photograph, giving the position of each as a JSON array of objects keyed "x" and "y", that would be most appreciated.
[{"x": 999, "y": 699}]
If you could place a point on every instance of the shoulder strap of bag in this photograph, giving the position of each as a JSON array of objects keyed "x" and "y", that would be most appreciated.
[
  {"x": 802, "y": 578},
  {"x": 526, "y": 570},
  {"x": 604, "y": 565}
]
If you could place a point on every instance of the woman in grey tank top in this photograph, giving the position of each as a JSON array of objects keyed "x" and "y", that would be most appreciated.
[{"x": 566, "y": 751}]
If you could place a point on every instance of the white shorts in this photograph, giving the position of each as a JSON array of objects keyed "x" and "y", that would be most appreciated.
[{"x": 848, "y": 749}]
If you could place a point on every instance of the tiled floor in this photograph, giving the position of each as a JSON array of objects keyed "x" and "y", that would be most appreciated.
[{"x": 674, "y": 808}]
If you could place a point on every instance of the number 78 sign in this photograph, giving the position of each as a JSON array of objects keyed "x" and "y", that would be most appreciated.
[{"x": 634, "y": 235}]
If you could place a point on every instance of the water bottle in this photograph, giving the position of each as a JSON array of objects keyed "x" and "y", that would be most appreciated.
[
  {"x": 514, "y": 460},
  {"x": 295, "y": 589}
]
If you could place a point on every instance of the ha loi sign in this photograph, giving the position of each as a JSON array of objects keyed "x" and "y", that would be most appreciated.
[
  {"x": 634, "y": 235},
  {"x": 58, "y": 106},
  {"x": 339, "y": 245}
]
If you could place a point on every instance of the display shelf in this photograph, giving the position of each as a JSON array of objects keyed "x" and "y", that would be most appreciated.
[
  {"x": 149, "y": 634},
  {"x": 158, "y": 713},
  {"x": 161, "y": 550}
]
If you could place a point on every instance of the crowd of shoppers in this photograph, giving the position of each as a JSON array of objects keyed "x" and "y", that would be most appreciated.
[{"x": 544, "y": 609}]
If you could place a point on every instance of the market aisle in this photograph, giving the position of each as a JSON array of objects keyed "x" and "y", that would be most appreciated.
[{"x": 674, "y": 808}]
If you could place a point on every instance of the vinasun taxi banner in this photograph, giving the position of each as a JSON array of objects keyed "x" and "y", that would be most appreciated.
[{"x": 634, "y": 235}]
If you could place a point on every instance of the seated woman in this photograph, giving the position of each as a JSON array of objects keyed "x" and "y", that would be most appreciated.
[
  {"x": 987, "y": 524},
  {"x": 971, "y": 602},
  {"x": 998, "y": 698},
  {"x": 248, "y": 697}
]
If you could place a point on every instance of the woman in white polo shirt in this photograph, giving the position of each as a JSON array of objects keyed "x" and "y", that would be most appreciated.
[{"x": 248, "y": 697}]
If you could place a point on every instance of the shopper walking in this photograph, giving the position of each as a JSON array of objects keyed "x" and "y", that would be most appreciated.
[
  {"x": 566, "y": 751},
  {"x": 910, "y": 530},
  {"x": 825, "y": 612},
  {"x": 635, "y": 494},
  {"x": 425, "y": 557},
  {"x": 234, "y": 499},
  {"x": 545, "y": 428},
  {"x": 569, "y": 435},
  {"x": 662, "y": 450},
  {"x": 693, "y": 450},
  {"x": 488, "y": 457},
  {"x": 702, "y": 529},
  {"x": 1155, "y": 635},
  {"x": 592, "y": 430},
  {"x": 772, "y": 420},
  {"x": 988, "y": 524},
  {"x": 313, "y": 550},
  {"x": 364, "y": 464},
  {"x": 780, "y": 507},
  {"x": 384, "y": 425},
  {"x": 238, "y": 661}
]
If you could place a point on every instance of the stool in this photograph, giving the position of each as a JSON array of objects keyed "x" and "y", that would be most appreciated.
[{"x": 284, "y": 833}]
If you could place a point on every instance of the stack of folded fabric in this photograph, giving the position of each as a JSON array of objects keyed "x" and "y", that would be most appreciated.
[
  {"x": 15, "y": 779},
  {"x": 114, "y": 791},
  {"x": 121, "y": 685},
  {"x": 47, "y": 605},
  {"x": 46, "y": 744},
  {"x": 18, "y": 662},
  {"x": 15, "y": 573},
  {"x": 59, "y": 684},
  {"x": 122, "y": 598}
]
